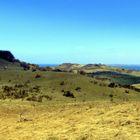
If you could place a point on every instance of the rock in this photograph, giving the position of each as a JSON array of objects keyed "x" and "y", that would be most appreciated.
[{"x": 7, "y": 55}]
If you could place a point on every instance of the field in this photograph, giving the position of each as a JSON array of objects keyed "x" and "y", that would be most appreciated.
[
  {"x": 119, "y": 78},
  {"x": 53, "y": 84},
  {"x": 72, "y": 121},
  {"x": 47, "y": 105}
]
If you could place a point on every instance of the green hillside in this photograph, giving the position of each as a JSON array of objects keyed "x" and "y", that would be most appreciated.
[{"x": 4, "y": 64}]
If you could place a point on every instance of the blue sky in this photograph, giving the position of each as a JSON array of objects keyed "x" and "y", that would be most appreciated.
[{"x": 77, "y": 31}]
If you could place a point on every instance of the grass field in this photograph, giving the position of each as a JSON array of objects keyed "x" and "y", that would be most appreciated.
[
  {"x": 72, "y": 121},
  {"x": 50, "y": 84},
  {"x": 94, "y": 112},
  {"x": 119, "y": 78}
]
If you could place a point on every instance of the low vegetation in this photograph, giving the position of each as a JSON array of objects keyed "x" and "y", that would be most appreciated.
[
  {"x": 67, "y": 102},
  {"x": 78, "y": 121}
]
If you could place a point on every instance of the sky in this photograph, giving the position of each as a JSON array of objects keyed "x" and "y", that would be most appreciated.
[{"x": 75, "y": 31}]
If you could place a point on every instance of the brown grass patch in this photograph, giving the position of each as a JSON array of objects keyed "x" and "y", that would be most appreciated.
[{"x": 77, "y": 121}]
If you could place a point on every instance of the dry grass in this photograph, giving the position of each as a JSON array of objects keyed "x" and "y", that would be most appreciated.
[
  {"x": 79, "y": 121},
  {"x": 136, "y": 86}
]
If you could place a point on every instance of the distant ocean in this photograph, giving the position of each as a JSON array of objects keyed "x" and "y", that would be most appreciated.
[{"x": 129, "y": 67}]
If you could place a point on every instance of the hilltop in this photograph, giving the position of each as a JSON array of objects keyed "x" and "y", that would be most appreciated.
[
  {"x": 7, "y": 55},
  {"x": 8, "y": 61},
  {"x": 88, "y": 68}
]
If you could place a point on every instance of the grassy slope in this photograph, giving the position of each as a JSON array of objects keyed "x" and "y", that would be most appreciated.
[
  {"x": 50, "y": 85},
  {"x": 9, "y": 65},
  {"x": 90, "y": 116},
  {"x": 78, "y": 121},
  {"x": 122, "y": 79}
]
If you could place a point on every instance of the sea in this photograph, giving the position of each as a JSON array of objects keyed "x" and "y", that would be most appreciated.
[{"x": 129, "y": 67}]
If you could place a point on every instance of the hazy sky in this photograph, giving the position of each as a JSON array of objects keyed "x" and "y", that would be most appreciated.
[{"x": 80, "y": 31}]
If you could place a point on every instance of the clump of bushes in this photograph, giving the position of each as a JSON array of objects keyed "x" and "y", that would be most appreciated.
[
  {"x": 111, "y": 97},
  {"x": 35, "y": 98},
  {"x": 34, "y": 70},
  {"x": 38, "y": 76},
  {"x": 68, "y": 94},
  {"x": 112, "y": 85},
  {"x": 22, "y": 91},
  {"x": 63, "y": 90},
  {"x": 36, "y": 89},
  {"x": 19, "y": 85},
  {"x": 95, "y": 82},
  {"x": 82, "y": 72},
  {"x": 25, "y": 65},
  {"x": 62, "y": 83},
  {"x": 38, "y": 98},
  {"x": 127, "y": 91},
  {"x": 14, "y": 92},
  {"x": 102, "y": 84},
  {"x": 78, "y": 89}
]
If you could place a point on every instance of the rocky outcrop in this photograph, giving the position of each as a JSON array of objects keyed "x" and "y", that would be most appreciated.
[{"x": 7, "y": 55}]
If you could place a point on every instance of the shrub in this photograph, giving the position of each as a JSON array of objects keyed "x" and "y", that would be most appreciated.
[
  {"x": 36, "y": 89},
  {"x": 40, "y": 98},
  {"x": 95, "y": 82},
  {"x": 82, "y": 73},
  {"x": 78, "y": 89},
  {"x": 34, "y": 70},
  {"x": 32, "y": 98},
  {"x": 25, "y": 65},
  {"x": 7, "y": 89},
  {"x": 19, "y": 91},
  {"x": 127, "y": 91},
  {"x": 68, "y": 94},
  {"x": 63, "y": 90},
  {"x": 62, "y": 83},
  {"x": 111, "y": 97},
  {"x": 47, "y": 97},
  {"x": 38, "y": 76},
  {"x": 19, "y": 85},
  {"x": 112, "y": 85}
]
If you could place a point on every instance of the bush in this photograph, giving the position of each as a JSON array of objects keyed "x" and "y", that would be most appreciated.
[
  {"x": 68, "y": 94},
  {"x": 95, "y": 82},
  {"x": 63, "y": 90},
  {"x": 47, "y": 97},
  {"x": 14, "y": 92},
  {"x": 32, "y": 98},
  {"x": 127, "y": 91},
  {"x": 62, "y": 83},
  {"x": 111, "y": 97},
  {"x": 36, "y": 89},
  {"x": 112, "y": 85},
  {"x": 38, "y": 76},
  {"x": 82, "y": 73},
  {"x": 78, "y": 89},
  {"x": 38, "y": 98},
  {"x": 19, "y": 91},
  {"x": 25, "y": 65},
  {"x": 19, "y": 85}
]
